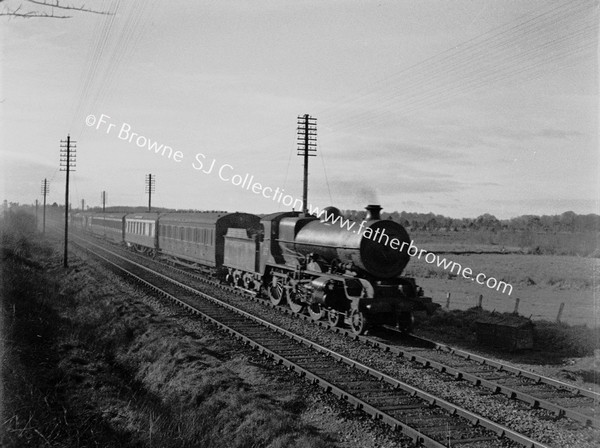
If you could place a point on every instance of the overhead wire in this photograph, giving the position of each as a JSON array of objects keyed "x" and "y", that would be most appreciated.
[
  {"x": 95, "y": 56},
  {"x": 530, "y": 61},
  {"x": 489, "y": 57},
  {"x": 471, "y": 62},
  {"x": 423, "y": 79},
  {"x": 463, "y": 47},
  {"x": 127, "y": 42},
  {"x": 320, "y": 149}
]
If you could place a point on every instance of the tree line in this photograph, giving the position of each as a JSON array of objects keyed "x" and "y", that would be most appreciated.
[{"x": 565, "y": 222}]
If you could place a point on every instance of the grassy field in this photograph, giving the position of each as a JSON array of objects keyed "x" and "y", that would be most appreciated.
[
  {"x": 582, "y": 244},
  {"x": 541, "y": 282}
]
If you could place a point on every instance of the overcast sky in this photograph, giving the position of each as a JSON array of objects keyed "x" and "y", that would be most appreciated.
[{"x": 452, "y": 107}]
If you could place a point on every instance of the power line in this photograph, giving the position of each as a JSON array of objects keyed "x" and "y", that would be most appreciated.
[{"x": 419, "y": 79}]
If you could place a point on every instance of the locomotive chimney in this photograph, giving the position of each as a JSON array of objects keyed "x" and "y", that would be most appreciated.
[{"x": 373, "y": 212}]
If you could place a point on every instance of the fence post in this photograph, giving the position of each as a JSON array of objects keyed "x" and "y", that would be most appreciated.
[
  {"x": 448, "y": 300},
  {"x": 516, "y": 311},
  {"x": 560, "y": 310},
  {"x": 480, "y": 303}
]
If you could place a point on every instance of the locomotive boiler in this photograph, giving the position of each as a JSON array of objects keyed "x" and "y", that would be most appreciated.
[
  {"x": 345, "y": 270},
  {"x": 369, "y": 248}
]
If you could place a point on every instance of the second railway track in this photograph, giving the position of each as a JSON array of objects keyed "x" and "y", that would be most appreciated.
[
  {"x": 427, "y": 419},
  {"x": 560, "y": 398}
]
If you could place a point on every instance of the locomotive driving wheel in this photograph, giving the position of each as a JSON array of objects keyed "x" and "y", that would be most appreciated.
[
  {"x": 293, "y": 299},
  {"x": 276, "y": 293},
  {"x": 359, "y": 322},
  {"x": 316, "y": 312},
  {"x": 335, "y": 318}
]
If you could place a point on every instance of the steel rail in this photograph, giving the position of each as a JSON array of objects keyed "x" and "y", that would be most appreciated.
[
  {"x": 459, "y": 374},
  {"x": 419, "y": 437},
  {"x": 512, "y": 369}
]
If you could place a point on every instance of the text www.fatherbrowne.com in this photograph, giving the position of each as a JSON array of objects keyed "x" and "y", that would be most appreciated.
[
  {"x": 411, "y": 249},
  {"x": 227, "y": 173}
]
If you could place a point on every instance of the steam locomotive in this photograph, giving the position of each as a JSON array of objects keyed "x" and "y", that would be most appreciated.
[{"x": 334, "y": 272}]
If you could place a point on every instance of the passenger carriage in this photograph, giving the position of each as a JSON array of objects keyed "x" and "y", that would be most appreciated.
[
  {"x": 197, "y": 239},
  {"x": 141, "y": 232},
  {"x": 108, "y": 225}
]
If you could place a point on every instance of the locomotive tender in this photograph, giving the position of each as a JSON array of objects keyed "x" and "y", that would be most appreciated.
[{"x": 292, "y": 258}]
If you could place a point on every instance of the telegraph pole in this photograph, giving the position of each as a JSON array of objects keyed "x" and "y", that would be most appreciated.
[
  {"x": 150, "y": 188},
  {"x": 307, "y": 144},
  {"x": 36, "y": 215},
  {"x": 67, "y": 163},
  {"x": 103, "y": 197},
  {"x": 45, "y": 191}
]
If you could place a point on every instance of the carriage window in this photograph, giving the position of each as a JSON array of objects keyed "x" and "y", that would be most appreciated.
[{"x": 181, "y": 233}]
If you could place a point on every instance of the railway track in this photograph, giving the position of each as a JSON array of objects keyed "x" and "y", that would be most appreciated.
[
  {"x": 427, "y": 419},
  {"x": 562, "y": 399}
]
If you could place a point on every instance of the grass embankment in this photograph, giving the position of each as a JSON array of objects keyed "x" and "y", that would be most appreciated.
[
  {"x": 84, "y": 366},
  {"x": 554, "y": 342},
  {"x": 582, "y": 244},
  {"x": 522, "y": 271}
]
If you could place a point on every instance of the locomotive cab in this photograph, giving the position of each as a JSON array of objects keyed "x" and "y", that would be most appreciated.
[{"x": 346, "y": 270}]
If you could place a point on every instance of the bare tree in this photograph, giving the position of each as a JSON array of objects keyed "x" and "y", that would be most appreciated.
[{"x": 46, "y": 9}]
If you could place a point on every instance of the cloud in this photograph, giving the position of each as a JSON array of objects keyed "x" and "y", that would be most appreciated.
[
  {"x": 396, "y": 185},
  {"x": 523, "y": 134},
  {"x": 392, "y": 151},
  {"x": 552, "y": 205},
  {"x": 558, "y": 134}
]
